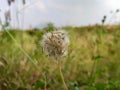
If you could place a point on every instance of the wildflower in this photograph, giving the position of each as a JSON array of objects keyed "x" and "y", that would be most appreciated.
[
  {"x": 7, "y": 17},
  {"x": 117, "y": 10},
  {"x": 13, "y": 0},
  {"x": 104, "y": 19},
  {"x": 24, "y": 2},
  {"x": 10, "y": 1},
  {"x": 0, "y": 21},
  {"x": 55, "y": 44}
]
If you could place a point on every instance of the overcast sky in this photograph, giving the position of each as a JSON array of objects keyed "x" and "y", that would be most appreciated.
[{"x": 60, "y": 12}]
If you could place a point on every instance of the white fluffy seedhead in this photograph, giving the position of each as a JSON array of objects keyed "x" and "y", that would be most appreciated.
[{"x": 55, "y": 44}]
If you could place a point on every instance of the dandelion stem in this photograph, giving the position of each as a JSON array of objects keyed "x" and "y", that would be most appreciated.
[{"x": 61, "y": 74}]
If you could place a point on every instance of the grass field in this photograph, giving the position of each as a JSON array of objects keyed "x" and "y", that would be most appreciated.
[{"x": 93, "y": 61}]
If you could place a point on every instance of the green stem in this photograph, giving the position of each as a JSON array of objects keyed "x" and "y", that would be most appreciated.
[
  {"x": 92, "y": 72},
  {"x": 45, "y": 83},
  {"x": 61, "y": 74}
]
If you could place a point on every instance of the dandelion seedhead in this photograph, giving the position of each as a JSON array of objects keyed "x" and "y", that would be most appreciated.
[{"x": 55, "y": 44}]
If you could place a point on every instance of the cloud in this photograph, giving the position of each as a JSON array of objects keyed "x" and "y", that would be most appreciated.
[
  {"x": 41, "y": 6},
  {"x": 68, "y": 12},
  {"x": 112, "y": 4},
  {"x": 82, "y": 12}
]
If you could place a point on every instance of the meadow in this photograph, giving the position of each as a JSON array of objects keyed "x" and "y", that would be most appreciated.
[{"x": 92, "y": 63}]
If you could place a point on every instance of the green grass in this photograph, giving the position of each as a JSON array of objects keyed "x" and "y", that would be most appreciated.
[{"x": 93, "y": 61}]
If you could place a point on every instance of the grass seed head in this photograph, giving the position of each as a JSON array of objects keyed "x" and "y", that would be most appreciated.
[
  {"x": 7, "y": 15},
  {"x": 24, "y": 2},
  {"x": 55, "y": 44}
]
